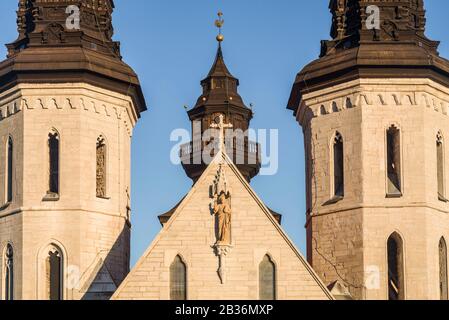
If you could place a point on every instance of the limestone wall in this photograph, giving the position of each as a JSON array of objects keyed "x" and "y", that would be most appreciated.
[
  {"x": 347, "y": 239},
  {"x": 191, "y": 234},
  {"x": 89, "y": 230}
]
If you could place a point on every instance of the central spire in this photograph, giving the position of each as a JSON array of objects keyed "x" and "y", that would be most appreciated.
[
  {"x": 220, "y": 86},
  {"x": 220, "y": 100},
  {"x": 219, "y": 68}
]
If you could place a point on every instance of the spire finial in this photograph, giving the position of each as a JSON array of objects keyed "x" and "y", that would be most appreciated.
[{"x": 219, "y": 24}]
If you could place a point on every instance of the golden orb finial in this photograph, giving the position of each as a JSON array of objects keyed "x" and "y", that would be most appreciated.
[{"x": 219, "y": 24}]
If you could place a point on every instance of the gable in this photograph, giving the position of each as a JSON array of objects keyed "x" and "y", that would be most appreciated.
[{"x": 191, "y": 233}]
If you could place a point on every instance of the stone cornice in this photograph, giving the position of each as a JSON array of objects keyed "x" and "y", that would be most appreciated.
[
  {"x": 73, "y": 96},
  {"x": 374, "y": 92}
]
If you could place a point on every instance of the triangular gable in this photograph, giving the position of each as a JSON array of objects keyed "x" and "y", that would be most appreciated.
[
  {"x": 276, "y": 224},
  {"x": 224, "y": 158}
]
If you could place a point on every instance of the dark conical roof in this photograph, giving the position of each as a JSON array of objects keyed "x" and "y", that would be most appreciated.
[
  {"x": 220, "y": 87},
  {"x": 219, "y": 68},
  {"x": 51, "y": 23}
]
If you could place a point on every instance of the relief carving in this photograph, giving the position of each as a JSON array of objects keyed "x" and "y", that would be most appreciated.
[{"x": 101, "y": 168}]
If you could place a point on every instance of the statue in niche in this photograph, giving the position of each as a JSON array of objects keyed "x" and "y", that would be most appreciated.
[{"x": 222, "y": 210}]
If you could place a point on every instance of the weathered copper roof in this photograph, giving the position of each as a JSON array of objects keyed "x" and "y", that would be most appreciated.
[
  {"x": 399, "y": 49},
  {"x": 48, "y": 51},
  {"x": 219, "y": 68}
]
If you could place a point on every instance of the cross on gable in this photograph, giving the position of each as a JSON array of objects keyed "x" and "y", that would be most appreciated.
[{"x": 221, "y": 126}]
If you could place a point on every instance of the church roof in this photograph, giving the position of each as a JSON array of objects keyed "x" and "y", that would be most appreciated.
[{"x": 396, "y": 47}]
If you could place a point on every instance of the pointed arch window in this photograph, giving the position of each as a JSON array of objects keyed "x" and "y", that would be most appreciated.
[
  {"x": 54, "y": 150},
  {"x": 443, "y": 270},
  {"x": 395, "y": 268},
  {"x": 178, "y": 280},
  {"x": 9, "y": 273},
  {"x": 9, "y": 170},
  {"x": 267, "y": 279},
  {"x": 54, "y": 274},
  {"x": 338, "y": 166},
  {"x": 440, "y": 167},
  {"x": 394, "y": 162},
  {"x": 101, "y": 166}
]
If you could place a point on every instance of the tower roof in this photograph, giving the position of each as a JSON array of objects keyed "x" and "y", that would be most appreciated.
[
  {"x": 220, "y": 87},
  {"x": 64, "y": 41},
  {"x": 86, "y": 23},
  {"x": 359, "y": 22},
  {"x": 219, "y": 68},
  {"x": 373, "y": 39}
]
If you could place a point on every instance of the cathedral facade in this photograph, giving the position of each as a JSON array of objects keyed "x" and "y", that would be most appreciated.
[{"x": 374, "y": 112}]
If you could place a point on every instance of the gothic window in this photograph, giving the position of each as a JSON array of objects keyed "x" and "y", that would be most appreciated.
[
  {"x": 267, "y": 279},
  {"x": 54, "y": 273},
  {"x": 53, "y": 148},
  {"x": 440, "y": 167},
  {"x": 338, "y": 166},
  {"x": 395, "y": 267},
  {"x": 178, "y": 280},
  {"x": 394, "y": 162},
  {"x": 9, "y": 171},
  {"x": 101, "y": 167},
  {"x": 9, "y": 273},
  {"x": 443, "y": 270}
]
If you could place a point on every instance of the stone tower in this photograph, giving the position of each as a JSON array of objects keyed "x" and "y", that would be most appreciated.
[
  {"x": 68, "y": 107},
  {"x": 374, "y": 112}
]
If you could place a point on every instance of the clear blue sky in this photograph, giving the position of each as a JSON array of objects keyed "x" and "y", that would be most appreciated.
[{"x": 171, "y": 45}]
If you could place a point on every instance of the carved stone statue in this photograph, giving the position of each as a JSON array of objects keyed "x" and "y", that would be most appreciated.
[{"x": 223, "y": 212}]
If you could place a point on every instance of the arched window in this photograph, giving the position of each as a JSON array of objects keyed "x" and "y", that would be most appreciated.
[
  {"x": 443, "y": 270},
  {"x": 440, "y": 167},
  {"x": 53, "y": 148},
  {"x": 267, "y": 279},
  {"x": 9, "y": 273},
  {"x": 54, "y": 273},
  {"x": 394, "y": 162},
  {"x": 9, "y": 170},
  {"x": 101, "y": 167},
  {"x": 178, "y": 280},
  {"x": 338, "y": 168},
  {"x": 395, "y": 267}
]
